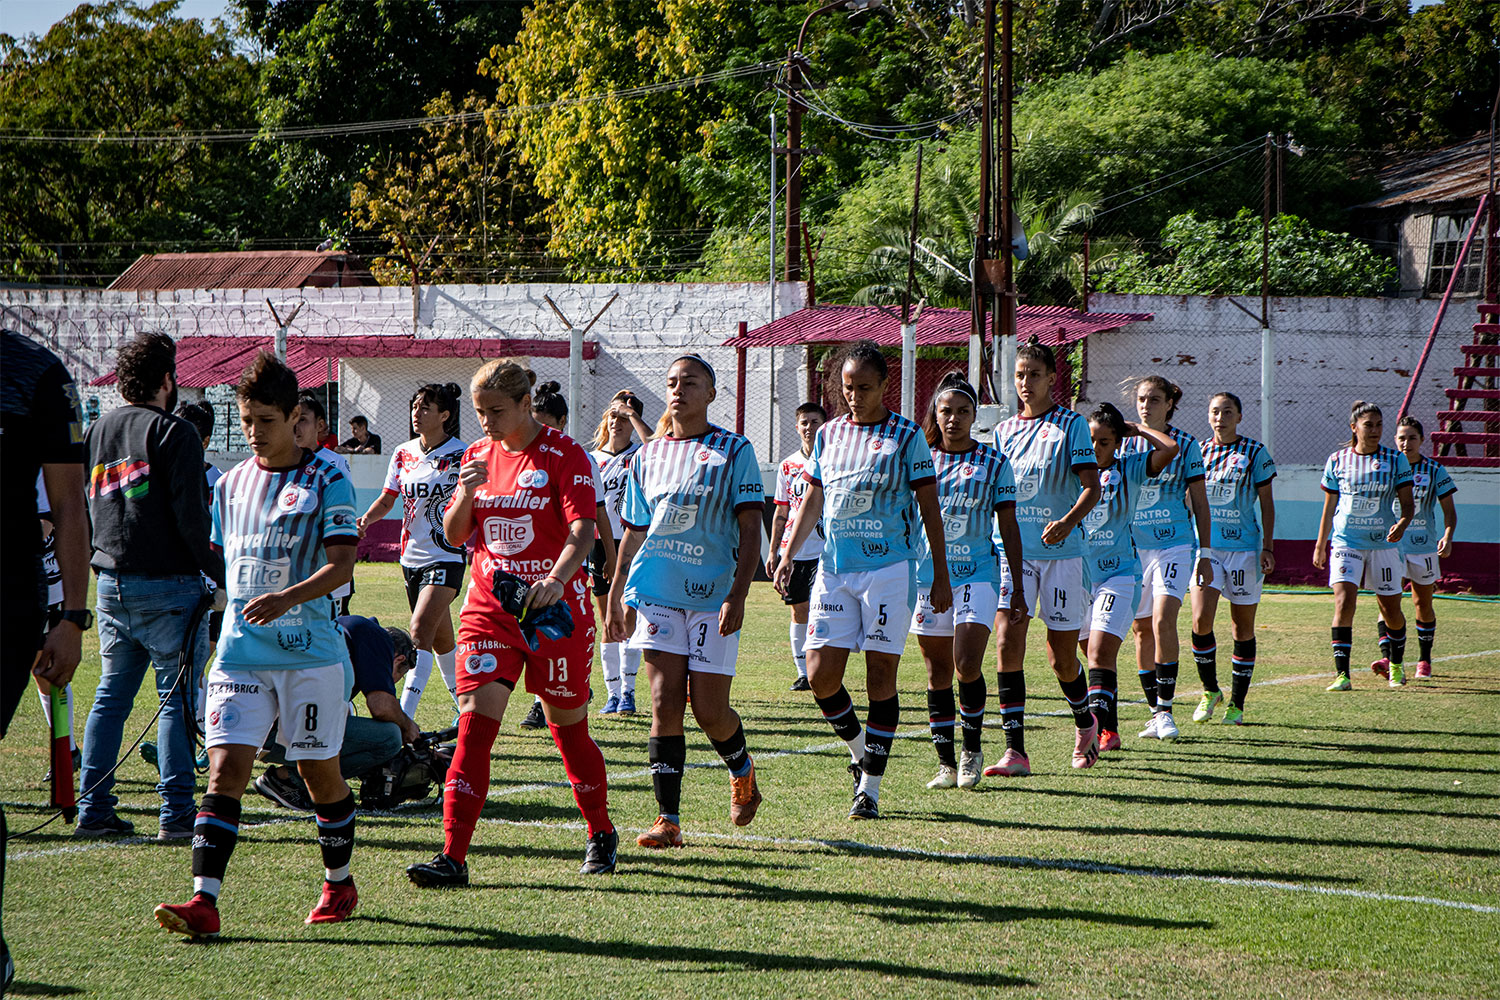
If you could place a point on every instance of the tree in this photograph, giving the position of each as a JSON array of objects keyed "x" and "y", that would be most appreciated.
[
  {"x": 1223, "y": 257},
  {"x": 81, "y": 210}
]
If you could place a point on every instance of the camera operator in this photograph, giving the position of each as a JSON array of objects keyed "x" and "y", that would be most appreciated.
[{"x": 379, "y": 657}]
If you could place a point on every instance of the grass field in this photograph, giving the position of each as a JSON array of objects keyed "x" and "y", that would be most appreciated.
[{"x": 1338, "y": 845}]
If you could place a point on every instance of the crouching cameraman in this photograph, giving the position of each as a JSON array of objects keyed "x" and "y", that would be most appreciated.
[{"x": 379, "y": 657}]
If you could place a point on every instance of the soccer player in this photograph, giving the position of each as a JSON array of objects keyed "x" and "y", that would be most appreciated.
[
  {"x": 869, "y": 464},
  {"x": 1113, "y": 568},
  {"x": 1168, "y": 509},
  {"x": 1364, "y": 483},
  {"x": 525, "y": 503},
  {"x": 614, "y": 446},
  {"x": 975, "y": 492},
  {"x": 692, "y": 512},
  {"x": 285, "y": 522},
  {"x": 423, "y": 472},
  {"x": 1237, "y": 477},
  {"x": 791, "y": 487},
  {"x": 1420, "y": 550},
  {"x": 310, "y": 426},
  {"x": 1057, "y": 484}
]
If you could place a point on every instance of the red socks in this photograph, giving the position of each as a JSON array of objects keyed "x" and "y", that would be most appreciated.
[
  {"x": 585, "y": 766},
  {"x": 468, "y": 782}
]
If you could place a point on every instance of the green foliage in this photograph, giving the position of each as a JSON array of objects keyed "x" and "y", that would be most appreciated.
[{"x": 1223, "y": 257}]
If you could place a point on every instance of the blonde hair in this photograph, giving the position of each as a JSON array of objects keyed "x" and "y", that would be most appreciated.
[
  {"x": 504, "y": 376},
  {"x": 602, "y": 433}
]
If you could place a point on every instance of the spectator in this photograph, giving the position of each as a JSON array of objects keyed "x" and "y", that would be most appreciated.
[
  {"x": 148, "y": 502},
  {"x": 42, "y": 430},
  {"x": 361, "y": 440},
  {"x": 380, "y": 656}
]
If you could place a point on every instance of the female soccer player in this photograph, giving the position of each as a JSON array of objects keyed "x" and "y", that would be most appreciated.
[
  {"x": 525, "y": 504},
  {"x": 1113, "y": 567},
  {"x": 614, "y": 446},
  {"x": 1420, "y": 551},
  {"x": 975, "y": 490},
  {"x": 423, "y": 472},
  {"x": 1238, "y": 473},
  {"x": 791, "y": 487},
  {"x": 1167, "y": 510},
  {"x": 1057, "y": 484},
  {"x": 693, "y": 504},
  {"x": 1363, "y": 483},
  {"x": 869, "y": 463}
]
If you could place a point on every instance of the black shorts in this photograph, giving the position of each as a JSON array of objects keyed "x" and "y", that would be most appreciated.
[
  {"x": 22, "y": 632},
  {"x": 443, "y": 574},
  {"x": 596, "y": 565},
  {"x": 799, "y": 589}
]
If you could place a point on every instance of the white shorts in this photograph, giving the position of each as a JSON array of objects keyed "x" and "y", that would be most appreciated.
[
  {"x": 1054, "y": 592},
  {"x": 1423, "y": 568},
  {"x": 311, "y": 706},
  {"x": 1236, "y": 575},
  {"x": 694, "y": 634},
  {"x": 1372, "y": 569},
  {"x": 1164, "y": 573},
  {"x": 974, "y": 603},
  {"x": 1112, "y": 609},
  {"x": 863, "y": 611}
]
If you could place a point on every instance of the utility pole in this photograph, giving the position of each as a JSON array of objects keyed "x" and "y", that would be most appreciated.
[
  {"x": 1267, "y": 342},
  {"x": 1005, "y": 319},
  {"x": 978, "y": 276},
  {"x": 793, "y": 256},
  {"x": 282, "y": 328},
  {"x": 1281, "y": 175}
]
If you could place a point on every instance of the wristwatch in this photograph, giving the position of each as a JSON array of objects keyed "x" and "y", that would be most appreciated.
[{"x": 82, "y": 617}]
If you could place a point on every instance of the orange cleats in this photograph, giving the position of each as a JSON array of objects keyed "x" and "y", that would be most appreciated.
[
  {"x": 197, "y": 918},
  {"x": 744, "y": 798},
  {"x": 336, "y": 905},
  {"x": 662, "y": 834}
]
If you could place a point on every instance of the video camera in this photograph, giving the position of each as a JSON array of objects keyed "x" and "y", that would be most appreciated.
[{"x": 409, "y": 775}]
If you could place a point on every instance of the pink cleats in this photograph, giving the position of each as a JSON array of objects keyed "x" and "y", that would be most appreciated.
[
  {"x": 1381, "y": 667},
  {"x": 1012, "y": 765},
  {"x": 1086, "y": 747},
  {"x": 1424, "y": 670}
]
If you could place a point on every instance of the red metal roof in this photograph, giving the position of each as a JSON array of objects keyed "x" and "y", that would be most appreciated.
[
  {"x": 206, "y": 361},
  {"x": 243, "y": 269},
  {"x": 1053, "y": 325}
]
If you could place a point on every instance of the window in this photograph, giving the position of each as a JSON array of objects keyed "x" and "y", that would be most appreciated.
[{"x": 1448, "y": 234}]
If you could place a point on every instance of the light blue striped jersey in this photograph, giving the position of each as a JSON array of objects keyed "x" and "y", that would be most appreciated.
[
  {"x": 867, "y": 473},
  {"x": 1366, "y": 486},
  {"x": 1430, "y": 482},
  {"x": 1234, "y": 474},
  {"x": 1111, "y": 546},
  {"x": 1046, "y": 453},
  {"x": 971, "y": 485},
  {"x": 272, "y": 525},
  {"x": 685, "y": 494},
  {"x": 1163, "y": 518}
]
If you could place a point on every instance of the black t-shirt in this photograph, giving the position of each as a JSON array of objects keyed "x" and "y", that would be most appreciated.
[
  {"x": 39, "y": 425},
  {"x": 371, "y": 653},
  {"x": 372, "y": 442}
]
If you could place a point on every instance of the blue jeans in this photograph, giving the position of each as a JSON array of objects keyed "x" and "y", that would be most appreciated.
[
  {"x": 142, "y": 623},
  {"x": 368, "y": 743}
]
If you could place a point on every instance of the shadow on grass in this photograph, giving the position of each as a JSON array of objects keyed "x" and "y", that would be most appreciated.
[
  {"x": 1118, "y": 767},
  {"x": 1216, "y": 803},
  {"x": 28, "y": 989}
]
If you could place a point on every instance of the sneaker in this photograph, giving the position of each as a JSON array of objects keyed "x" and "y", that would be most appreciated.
[
  {"x": 1012, "y": 765},
  {"x": 148, "y": 754},
  {"x": 857, "y": 773},
  {"x": 864, "y": 807},
  {"x": 1149, "y": 733},
  {"x": 283, "y": 791},
  {"x": 1340, "y": 683},
  {"x": 1086, "y": 747},
  {"x": 442, "y": 872},
  {"x": 1381, "y": 667},
  {"x": 1424, "y": 669},
  {"x": 663, "y": 833},
  {"x": 611, "y": 705},
  {"x": 1206, "y": 705},
  {"x": 601, "y": 853},
  {"x": 112, "y": 827},
  {"x": 801, "y": 684},
  {"x": 1233, "y": 716},
  {"x": 535, "y": 719},
  {"x": 970, "y": 768},
  {"x": 335, "y": 905},
  {"x": 171, "y": 832},
  {"x": 1108, "y": 740},
  {"x": 198, "y": 918},
  {"x": 627, "y": 703},
  {"x": 1398, "y": 676},
  {"x": 947, "y": 777},
  {"x": 744, "y": 797},
  {"x": 77, "y": 763},
  {"x": 1166, "y": 726}
]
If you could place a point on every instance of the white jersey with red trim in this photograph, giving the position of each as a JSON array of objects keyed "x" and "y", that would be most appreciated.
[
  {"x": 425, "y": 481},
  {"x": 791, "y": 488}
]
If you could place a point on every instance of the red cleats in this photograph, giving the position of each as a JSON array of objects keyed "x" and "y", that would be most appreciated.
[
  {"x": 196, "y": 919},
  {"x": 1108, "y": 740},
  {"x": 336, "y": 905}
]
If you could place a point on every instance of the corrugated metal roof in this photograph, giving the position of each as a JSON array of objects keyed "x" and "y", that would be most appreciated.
[
  {"x": 243, "y": 269},
  {"x": 1434, "y": 177},
  {"x": 1053, "y": 325}
]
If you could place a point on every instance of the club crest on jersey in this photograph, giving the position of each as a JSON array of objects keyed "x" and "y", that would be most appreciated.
[
  {"x": 971, "y": 471},
  {"x": 1108, "y": 477},
  {"x": 877, "y": 445},
  {"x": 296, "y": 499},
  {"x": 532, "y": 479},
  {"x": 674, "y": 519},
  {"x": 662, "y": 629},
  {"x": 707, "y": 456},
  {"x": 509, "y": 535},
  {"x": 1240, "y": 460}
]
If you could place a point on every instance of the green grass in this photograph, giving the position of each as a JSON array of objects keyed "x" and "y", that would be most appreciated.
[{"x": 993, "y": 892}]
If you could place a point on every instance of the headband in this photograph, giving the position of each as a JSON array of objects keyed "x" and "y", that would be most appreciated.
[
  {"x": 712, "y": 378},
  {"x": 959, "y": 388}
]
